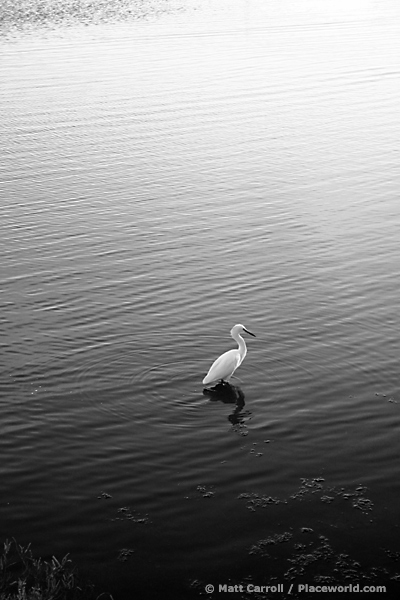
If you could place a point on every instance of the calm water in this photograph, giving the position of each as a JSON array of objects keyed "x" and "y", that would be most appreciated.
[{"x": 169, "y": 170}]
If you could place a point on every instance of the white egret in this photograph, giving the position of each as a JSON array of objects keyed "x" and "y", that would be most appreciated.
[{"x": 224, "y": 367}]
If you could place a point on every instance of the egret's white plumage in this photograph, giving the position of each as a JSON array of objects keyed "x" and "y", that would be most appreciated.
[{"x": 224, "y": 367}]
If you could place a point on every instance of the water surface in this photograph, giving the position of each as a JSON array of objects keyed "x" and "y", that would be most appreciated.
[{"x": 166, "y": 174}]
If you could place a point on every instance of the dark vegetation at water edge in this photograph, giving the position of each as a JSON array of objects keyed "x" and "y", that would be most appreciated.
[{"x": 23, "y": 577}]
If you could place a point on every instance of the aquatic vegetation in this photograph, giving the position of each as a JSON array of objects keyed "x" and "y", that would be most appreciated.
[
  {"x": 204, "y": 492},
  {"x": 308, "y": 486},
  {"x": 255, "y": 501},
  {"x": 104, "y": 496},
  {"x": 126, "y": 514},
  {"x": 363, "y": 504},
  {"x": 317, "y": 485},
  {"x": 306, "y": 552},
  {"x": 393, "y": 555},
  {"x": 23, "y": 577},
  {"x": 277, "y": 538},
  {"x": 124, "y": 554}
]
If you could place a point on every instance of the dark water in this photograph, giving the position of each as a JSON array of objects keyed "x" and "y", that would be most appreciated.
[{"x": 164, "y": 178}]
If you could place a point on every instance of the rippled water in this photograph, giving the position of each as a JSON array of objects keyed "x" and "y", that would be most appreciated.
[{"x": 163, "y": 179}]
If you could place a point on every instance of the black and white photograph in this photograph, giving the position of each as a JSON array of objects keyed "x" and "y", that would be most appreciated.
[{"x": 199, "y": 299}]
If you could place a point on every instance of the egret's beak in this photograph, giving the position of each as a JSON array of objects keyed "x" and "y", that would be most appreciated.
[{"x": 249, "y": 332}]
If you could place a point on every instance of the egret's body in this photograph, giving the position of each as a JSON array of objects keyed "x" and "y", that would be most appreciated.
[{"x": 224, "y": 367}]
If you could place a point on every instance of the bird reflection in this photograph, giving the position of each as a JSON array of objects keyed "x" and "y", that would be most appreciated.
[{"x": 228, "y": 394}]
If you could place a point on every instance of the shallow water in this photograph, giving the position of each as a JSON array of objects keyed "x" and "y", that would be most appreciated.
[{"x": 166, "y": 175}]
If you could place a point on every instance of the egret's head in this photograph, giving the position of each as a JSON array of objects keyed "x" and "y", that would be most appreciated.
[{"x": 240, "y": 329}]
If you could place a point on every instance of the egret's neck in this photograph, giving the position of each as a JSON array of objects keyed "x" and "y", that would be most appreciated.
[{"x": 242, "y": 345}]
